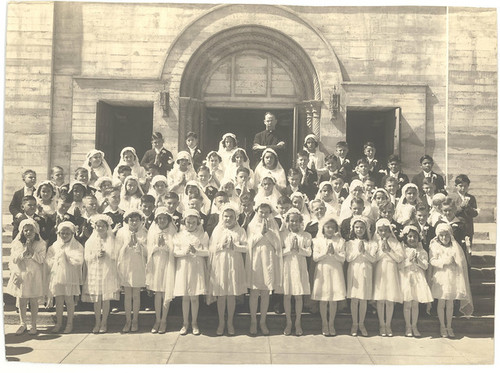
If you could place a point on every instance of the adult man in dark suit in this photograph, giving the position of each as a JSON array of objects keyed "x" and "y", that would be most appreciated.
[
  {"x": 426, "y": 162},
  {"x": 158, "y": 155},
  {"x": 268, "y": 139}
]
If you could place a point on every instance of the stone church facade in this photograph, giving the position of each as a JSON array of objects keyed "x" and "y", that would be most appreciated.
[{"x": 416, "y": 80}]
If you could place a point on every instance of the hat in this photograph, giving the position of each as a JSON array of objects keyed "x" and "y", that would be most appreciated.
[
  {"x": 66, "y": 224},
  {"x": 101, "y": 217},
  {"x": 183, "y": 155},
  {"x": 133, "y": 211},
  {"x": 191, "y": 212}
]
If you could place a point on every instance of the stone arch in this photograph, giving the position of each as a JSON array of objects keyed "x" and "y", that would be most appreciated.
[{"x": 246, "y": 38}]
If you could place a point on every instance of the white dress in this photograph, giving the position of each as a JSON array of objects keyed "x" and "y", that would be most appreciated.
[
  {"x": 447, "y": 281},
  {"x": 26, "y": 273},
  {"x": 227, "y": 268},
  {"x": 360, "y": 270},
  {"x": 65, "y": 261},
  {"x": 264, "y": 262},
  {"x": 102, "y": 276},
  {"x": 190, "y": 269},
  {"x": 413, "y": 277},
  {"x": 295, "y": 274},
  {"x": 386, "y": 284},
  {"x": 160, "y": 267},
  {"x": 131, "y": 258},
  {"x": 329, "y": 282}
]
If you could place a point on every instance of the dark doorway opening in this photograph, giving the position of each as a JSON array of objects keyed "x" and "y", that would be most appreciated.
[
  {"x": 380, "y": 126},
  {"x": 118, "y": 126},
  {"x": 245, "y": 123}
]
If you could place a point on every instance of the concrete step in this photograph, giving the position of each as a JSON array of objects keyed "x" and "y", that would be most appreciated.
[
  {"x": 484, "y": 305},
  {"x": 6, "y": 237},
  {"x": 6, "y": 249},
  {"x": 485, "y": 273},
  {"x": 482, "y": 259},
  {"x": 483, "y": 245},
  {"x": 482, "y": 288},
  {"x": 311, "y": 323},
  {"x": 485, "y": 231},
  {"x": 5, "y": 263}
]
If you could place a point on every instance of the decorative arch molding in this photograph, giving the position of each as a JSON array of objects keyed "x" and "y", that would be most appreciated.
[
  {"x": 279, "y": 18},
  {"x": 250, "y": 38}
]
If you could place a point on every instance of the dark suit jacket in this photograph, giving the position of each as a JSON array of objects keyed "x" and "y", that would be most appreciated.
[
  {"x": 244, "y": 223},
  {"x": 402, "y": 181},
  {"x": 149, "y": 220},
  {"x": 176, "y": 219},
  {"x": 438, "y": 181},
  {"x": 211, "y": 223},
  {"x": 165, "y": 160},
  {"x": 467, "y": 213},
  {"x": 312, "y": 229},
  {"x": 427, "y": 234},
  {"x": 197, "y": 157},
  {"x": 116, "y": 216},
  {"x": 346, "y": 170},
  {"x": 458, "y": 227},
  {"x": 15, "y": 204},
  {"x": 270, "y": 139},
  {"x": 310, "y": 185}
]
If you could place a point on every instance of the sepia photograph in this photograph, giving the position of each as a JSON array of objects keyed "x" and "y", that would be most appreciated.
[{"x": 249, "y": 183}]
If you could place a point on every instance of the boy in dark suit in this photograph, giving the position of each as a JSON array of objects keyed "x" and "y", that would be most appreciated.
[
  {"x": 194, "y": 150},
  {"x": 113, "y": 211},
  {"x": 394, "y": 170},
  {"x": 171, "y": 203},
  {"x": 63, "y": 204},
  {"x": 426, "y": 162},
  {"x": 213, "y": 218},
  {"x": 466, "y": 204},
  {"x": 247, "y": 202},
  {"x": 373, "y": 164},
  {"x": 57, "y": 176},
  {"x": 294, "y": 177},
  {"x": 427, "y": 232},
  {"x": 309, "y": 178},
  {"x": 15, "y": 207},
  {"x": 357, "y": 207},
  {"x": 284, "y": 204},
  {"x": 82, "y": 175},
  {"x": 158, "y": 155},
  {"x": 333, "y": 171},
  {"x": 345, "y": 170},
  {"x": 28, "y": 208},
  {"x": 147, "y": 207},
  {"x": 386, "y": 211}
]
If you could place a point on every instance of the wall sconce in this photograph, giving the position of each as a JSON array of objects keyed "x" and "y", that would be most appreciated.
[
  {"x": 334, "y": 103},
  {"x": 164, "y": 102}
]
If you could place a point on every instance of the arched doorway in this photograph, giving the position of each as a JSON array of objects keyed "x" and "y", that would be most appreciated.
[{"x": 241, "y": 72}]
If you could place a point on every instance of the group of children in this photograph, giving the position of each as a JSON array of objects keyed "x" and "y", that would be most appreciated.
[{"x": 323, "y": 231}]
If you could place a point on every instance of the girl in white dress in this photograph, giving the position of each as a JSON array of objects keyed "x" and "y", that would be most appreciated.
[
  {"x": 386, "y": 283},
  {"x": 356, "y": 190},
  {"x": 131, "y": 251},
  {"x": 78, "y": 190},
  {"x": 405, "y": 209},
  {"x": 46, "y": 197},
  {"x": 26, "y": 272},
  {"x": 329, "y": 283},
  {"x": 96, "y": 165},
  {"x": 239, "y": 159},
  {"x": 227, "y": 145},
  {"x": 65, "y": 261},
  {"x": 326, "y": 194},
  {"x": 193, "y": 189},
  {"x": 263, "y": 264},
  {"x": 269, "y": 165},
  {"x": 159, "y": 190},
  {"x": 296, "y": 246},
  {"x": 160, "y": 268},
  {"x": 128, "y": 157},
  {"x": 360, "y": 254},
  {"x": 227, "y": 269},
  {"x": 130, "y": 194},
  {"x": 190, "y": 249},
  {"x": 450, "y": 279},
  {"x": 300, "y": 202},
  {"x": 413, "y": 278},
  {"x": 182, "y": 172},
  {"x": 101, "y": 283},
  {"x": 214, "y": 164},
  {"x": 104, "y": 186},
  {"x": 267, "y": 193},
  {"x": 379, "y": 198},
  {"x": 316, "y": 156}
]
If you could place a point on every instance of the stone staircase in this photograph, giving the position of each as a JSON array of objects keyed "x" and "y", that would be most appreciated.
[{"x": 482, "y": 285}]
